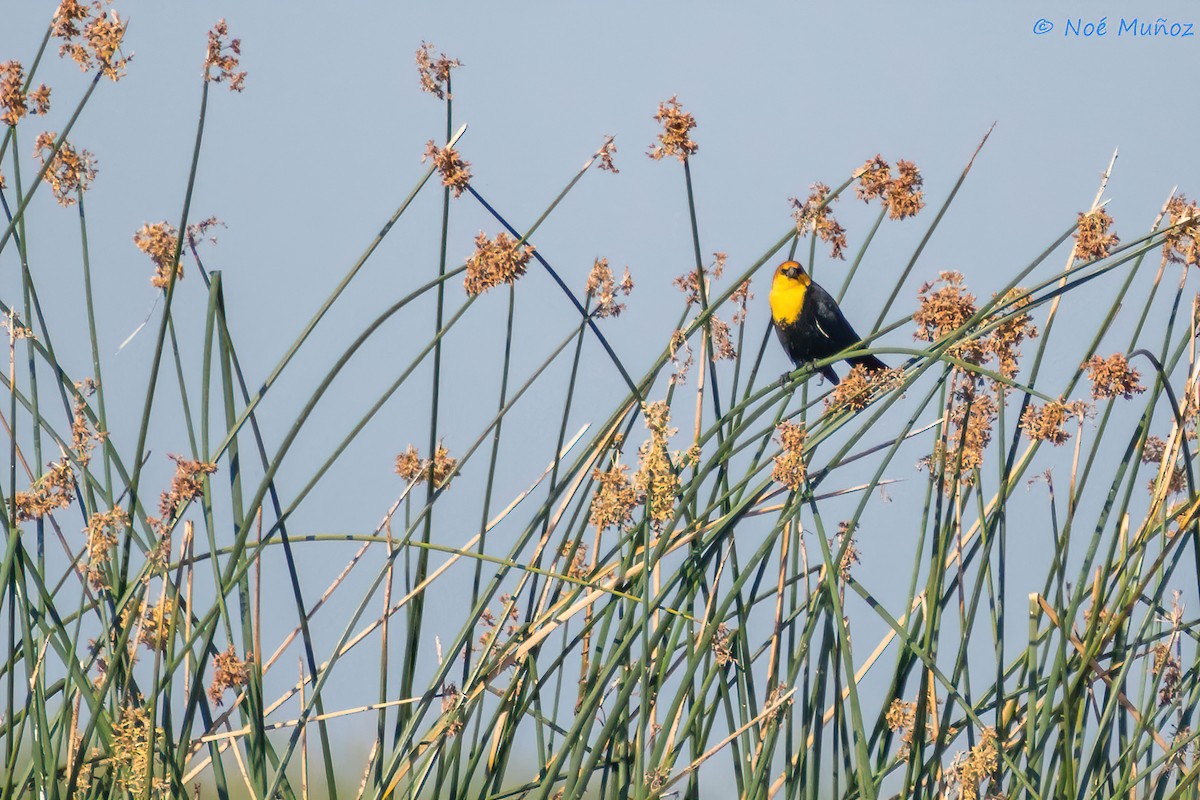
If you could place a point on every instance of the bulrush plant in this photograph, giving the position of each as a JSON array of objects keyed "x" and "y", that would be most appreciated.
[{"x": 700, "y": 592}]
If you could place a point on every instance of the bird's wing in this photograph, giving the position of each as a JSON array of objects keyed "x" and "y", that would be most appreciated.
[{"x": 830, "y": 321}]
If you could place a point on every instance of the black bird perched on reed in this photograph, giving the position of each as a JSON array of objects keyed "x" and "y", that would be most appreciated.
[{"x": 809, "y": 323}]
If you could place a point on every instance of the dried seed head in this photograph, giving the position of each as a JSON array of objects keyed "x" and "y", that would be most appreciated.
[
  {"x": 222, "y": 57},
  {"x": 494, "y": 262},
  {"x": 103, "y": 532},
  {"x": 674, "y": 139},
  {"x": 790, "y": 469},
  {"x": 12, "y": 92},
  {"x": 1113, "y": 376},
  {"x": 186, "y": 485},
  {"x": 456, "y": 173},
  {"x": 156, "y": 624},
  {"x": 411, "y": 467},
  {"x": 901, "y": 717},
  {"x": 814, "y": 215},
  {"x": 160, "y": 241},
  {"x": 70, "y": 170},
  {"x": 855, "y": 391},
  {"x": 851, "y": 556},
  {"x": 690, "y": 285},
  {"x": 722, "y": 646},
  {"x": 655, "y": 479},
  {"x": 903, "y": 197},
  {"x": 602, "y": 287},
  {"x": 229, "y": 672},
  {"x": 741, "y": 297},
  {"x": 53, "y": 490},
  {"x": 946, "y": 310},
  {"x": 1182, "y": 243},
  {"x": 615, "y": 498},
  {"x": 104, "y": 34},
  {"x": 39, "y": 99},
  {"x": 128, "y": 757},
  {"x": 1004, "y": 342},
  {"x": 605, "y": 154},
  {"x": 722, "y": 343},
  {"x": 874, "y": 177},
  {"x": 972, "y": 415},
  {"x": 1092, "y": 238},
  {"x": 1045, "y": 423},
  {"x": 681, "y": 357},
  {"x": 435, "y": 72},
  {"x": 979, "y": 765}
]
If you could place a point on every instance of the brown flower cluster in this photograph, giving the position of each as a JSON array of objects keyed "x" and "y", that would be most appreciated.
[
  {"x": 681, "y": 357},
  {"x": 103, "y": 532},
  {"x": 1045, "y": 423},
  {"x": 851, "y": 556},
  {"x": 450, "y": 698},
  {"x": 741, "y": 298},
  {"x": 605, "y": 154},
  {"x": 690, "y": 285},
  {"x": 944, "y": 311},
  {"x": 83, "y": 439},
  {"x": 221, "y": 58},
  {"x": 902, "y": 195},
  {"x": 979, "y": 765},
  {"x": 1182, "y": 244},
  {"x": 186, "y": 485},
  {"x": 1155, "y": 452},
  {"x": 50, "y": 492},
  {"x": 414, "y": 469},
  {"x": 722, "y": 340},
  {"x": 1113, "y": 376},
  {"x": 615, "y": 498},
  {"x": 1166, "y": 669},
  {"x": 1092, "y": 238},
  {"x": 128, "y": 756},
  {"x": 229, "y": 672},
  {"x": 674, "y": 139},
  {"x": 435, "y": 72},
  {"x": 1005, "y": 340},
  {"x": 860, "y": 385},
  {"x": 603, "y": 287},
  {"x": 722, "y": 646},
  {"x": 456, "y": 173},
  {"x": 972, "y": 414},
  {"x": 790, "y": 469},
  {"x": 655, "y": 479},
  {"x": 901, "y": 717},
  {"x": 160, "y": 241},
  {"x": 814, "y": 214},
  {"x": 13, "y": 99},
  {"x": 91, "y": 40},
  {"x": 70, "y": 171},
  {"x": 156, "y": 624},
  {"x": 495, "y": 261}
]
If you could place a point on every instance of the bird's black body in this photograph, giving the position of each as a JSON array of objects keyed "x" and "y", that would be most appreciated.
[{"x": 819, "y": 330}]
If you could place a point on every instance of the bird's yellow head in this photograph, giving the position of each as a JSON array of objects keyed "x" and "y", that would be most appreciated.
[{"x": 788, "y": 288}]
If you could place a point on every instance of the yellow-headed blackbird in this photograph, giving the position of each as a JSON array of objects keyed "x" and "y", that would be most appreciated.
[{"x": 809, "y": 323}]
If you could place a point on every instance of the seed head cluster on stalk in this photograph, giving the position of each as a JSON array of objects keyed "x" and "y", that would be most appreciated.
[
  {"x": 675, "y": 139},
  {"x": 91, "y": 35},
  {"x": 455, "y": 172},
  {"x": 14, "y": 100},
  {"x": 901, "y": 195},
  {"x": 434, "y": 71},
  {"x": 222, "y": 59},
  {"x": 495, "y": 262},
  {"x": 414, "y": 469},
  {"x": 70, "y": 170},
  {"x": 1093, "y": 240},
  {"x": 603, "y": 288},
  {"x": 815, "y": 215},
  {"x": 656, "y": 479}
]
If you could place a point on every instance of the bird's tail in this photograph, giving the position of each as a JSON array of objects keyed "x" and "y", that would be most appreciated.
[{"x": 868, "y": 361}]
